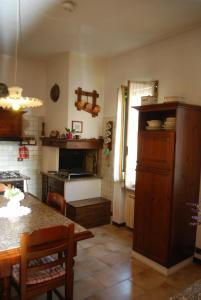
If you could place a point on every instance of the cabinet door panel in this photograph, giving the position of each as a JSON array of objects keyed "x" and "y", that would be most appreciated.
[
  {"x": 152, "y": 215},
  {"x": 55, "y": 185},
  {"x": 141, "y": 212},
  {"x": 156, "y": 149},
  {"x": 11, "y": 124}
]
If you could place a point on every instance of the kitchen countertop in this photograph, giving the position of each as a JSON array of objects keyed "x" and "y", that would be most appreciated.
[
  {"x": 41, "y": 216},
  {"x": 53, "y": 175},
  {"x": 22, "y": 177}
]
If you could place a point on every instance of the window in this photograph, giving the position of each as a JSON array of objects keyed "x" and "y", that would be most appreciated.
[{"x": 127, "y": 127}]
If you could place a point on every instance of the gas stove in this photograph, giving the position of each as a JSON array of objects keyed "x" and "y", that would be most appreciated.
[{"x": 10, "y": 175}]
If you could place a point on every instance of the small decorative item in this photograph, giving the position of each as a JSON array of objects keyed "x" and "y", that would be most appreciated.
[
  {"x": 91, "y": 108},
  {"x": 108, "y": 135},
  {"x": 147, "y": 100},
  {"x": 54, "y": 134},
  {"x": 23, "y": 153},
  {"x": 55, "y": 92},
  {"x": 77, "y": 136},
  {"x": 196, "y": 209},
  {"x": 14, "y": 196},
  {"x": 43, "y": 130},
  {"x": 69, "y": 134},
  {"x": 13, "y": 208},
  {"x": 77, "y": 126}
]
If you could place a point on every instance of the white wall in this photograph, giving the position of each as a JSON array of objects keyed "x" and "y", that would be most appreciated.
[
  {"x": 31, "y": 76},
  {"x": 57, "y": 112},
  {"x": 50, "y": 159},
  {"x": 88, "y": 73},
  {"x": 175, "y": 62},
  {"x": 71, "y": 71}
]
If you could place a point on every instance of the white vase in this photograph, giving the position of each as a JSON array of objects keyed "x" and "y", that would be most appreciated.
[{"x": 13, "y": 203}]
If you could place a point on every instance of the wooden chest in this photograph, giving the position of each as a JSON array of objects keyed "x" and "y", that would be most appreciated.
[{"x": 90, "y": 212}]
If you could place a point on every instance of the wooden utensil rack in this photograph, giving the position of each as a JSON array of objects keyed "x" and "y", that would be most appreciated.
[{"x": 92, "y": 107}]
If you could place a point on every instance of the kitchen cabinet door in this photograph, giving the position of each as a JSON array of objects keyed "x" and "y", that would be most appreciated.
[
  {"x": 152, "y": 215},
  {"x": 156, "y": 149}
]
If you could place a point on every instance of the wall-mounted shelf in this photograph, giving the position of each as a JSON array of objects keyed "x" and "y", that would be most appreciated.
[
  {"x": 73, "y": 144},
  {"x": 28, "y": 140}
]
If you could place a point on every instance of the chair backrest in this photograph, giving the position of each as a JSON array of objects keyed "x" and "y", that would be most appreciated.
[
  {"x": 56, "y": 201},
  {"x": 42, "y": 243}
]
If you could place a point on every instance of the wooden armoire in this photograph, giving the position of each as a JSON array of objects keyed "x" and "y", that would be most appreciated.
[{"x": 167, "y": 179}]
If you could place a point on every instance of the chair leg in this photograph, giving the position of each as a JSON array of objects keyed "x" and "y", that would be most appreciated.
[
  {"x": 69, "y": 285},
  {"x": 49, "y": 295}
]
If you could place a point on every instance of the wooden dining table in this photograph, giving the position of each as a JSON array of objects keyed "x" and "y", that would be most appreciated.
[{"x": 41, "y": 216}]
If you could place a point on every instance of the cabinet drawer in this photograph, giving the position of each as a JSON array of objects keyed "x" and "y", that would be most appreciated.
[{"x": 156, "y": 149}]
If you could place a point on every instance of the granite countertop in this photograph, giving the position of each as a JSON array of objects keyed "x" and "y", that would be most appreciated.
[
  {"x": 54, "y": 175},
  {"x": 22, "y": 177},
  {"x": 41, "y": 216},
  {"x": 193, "y": 292}
]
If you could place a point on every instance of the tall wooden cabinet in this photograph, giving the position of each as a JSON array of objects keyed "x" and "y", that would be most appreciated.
[{"x": 168, "y": 177}]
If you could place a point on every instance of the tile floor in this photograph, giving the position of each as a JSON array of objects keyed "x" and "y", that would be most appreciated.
[{"x": 105, "y": 270}]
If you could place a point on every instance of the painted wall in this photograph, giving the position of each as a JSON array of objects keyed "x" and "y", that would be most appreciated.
[
  {"x": 71, "y": 71},
  {"x": 89, "y": 74},
  {"x": 57, "y": 112},
  {"x": 31, "y": 76},
  {"x": 175, "y": 62}
]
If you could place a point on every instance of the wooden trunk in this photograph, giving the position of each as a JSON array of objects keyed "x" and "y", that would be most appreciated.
[{"x": 90, "y": 212}]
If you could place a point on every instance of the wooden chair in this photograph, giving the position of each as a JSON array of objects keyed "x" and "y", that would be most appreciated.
[
  {"x": 56, "y": 201},
  {"x": 40, "y": 270},
  {"x": 2, "y": 187}
]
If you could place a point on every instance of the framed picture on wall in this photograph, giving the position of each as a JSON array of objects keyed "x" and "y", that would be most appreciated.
[{"x": 77, "y": 126}]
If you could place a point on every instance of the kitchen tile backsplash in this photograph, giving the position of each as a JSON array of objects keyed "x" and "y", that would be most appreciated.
[{"x": 9, "y": 152}]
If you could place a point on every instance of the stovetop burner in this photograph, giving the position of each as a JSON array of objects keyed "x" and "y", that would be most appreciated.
[{"x": 9, "y": 174}]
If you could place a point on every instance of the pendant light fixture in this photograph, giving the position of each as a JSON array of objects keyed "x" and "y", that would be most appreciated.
[{"x": 15, "y": 100}]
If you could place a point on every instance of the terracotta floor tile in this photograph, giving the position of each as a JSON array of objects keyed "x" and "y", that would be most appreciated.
[
  {"x": 185, "y": 277},
  {"x": 149, "y": 279},
  {"x": 86, "y": 287},
  {"x": 115, "y": 258},
  {"x": 94, "y": 265},
  {"x": 128, "y": 269},
  {"x": 125, "y": 290},
  {"x": 162, "y": 292},
  {"x": 109, "y": 277},
  {"x": 105, "y": 270}
]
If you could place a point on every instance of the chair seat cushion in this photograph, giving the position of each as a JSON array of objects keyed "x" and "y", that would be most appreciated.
[{"x": 39, "y": 276}]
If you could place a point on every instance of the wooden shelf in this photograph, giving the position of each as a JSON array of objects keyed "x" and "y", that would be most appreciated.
[{"x": 73, "y": 144}]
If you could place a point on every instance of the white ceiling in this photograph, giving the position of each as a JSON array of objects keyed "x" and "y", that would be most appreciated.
[{"x": 96, "y": 27}]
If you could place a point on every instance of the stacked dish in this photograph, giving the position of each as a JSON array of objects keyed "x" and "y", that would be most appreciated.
[
  {"x": 146, "y": 100},
  {"x": 154, "y": 124},
  {"x": 169, "y": 123}
]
